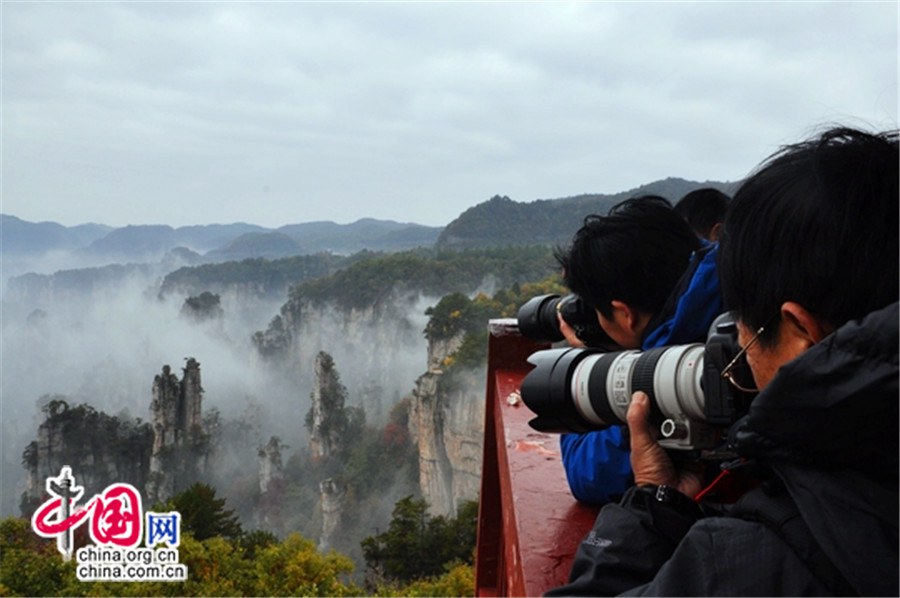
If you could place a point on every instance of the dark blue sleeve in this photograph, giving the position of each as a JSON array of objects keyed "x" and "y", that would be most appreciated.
[{"x": 597, "y": 464}]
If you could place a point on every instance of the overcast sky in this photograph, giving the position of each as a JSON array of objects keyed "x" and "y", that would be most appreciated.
[{"x": 273, "y": 113}]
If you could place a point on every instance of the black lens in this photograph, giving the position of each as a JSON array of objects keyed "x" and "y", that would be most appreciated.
[{"x": 537, "y": 319}]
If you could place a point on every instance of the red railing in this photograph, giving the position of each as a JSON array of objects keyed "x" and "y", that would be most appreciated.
[{"x": 529, "y": 525}]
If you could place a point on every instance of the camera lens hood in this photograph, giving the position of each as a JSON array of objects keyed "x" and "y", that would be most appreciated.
[
  {"x": 545, "y": 390},
  {"x": 537, "y": 319}
]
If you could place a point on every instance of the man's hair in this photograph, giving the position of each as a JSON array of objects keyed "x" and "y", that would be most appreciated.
[
  {"x": 636, "y": 254},
  {"x": 703, "y": 209},
  {"x": 817, "y": 224}
]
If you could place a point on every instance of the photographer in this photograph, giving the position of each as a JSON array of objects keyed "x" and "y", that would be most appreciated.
[
  {"x": 809, "y": 269},
  {"x": 652, "y": 283},
  {"x": 704, "y": 209}
]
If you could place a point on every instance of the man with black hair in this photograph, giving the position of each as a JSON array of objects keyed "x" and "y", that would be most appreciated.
[
  {"x": 809, "y": 269},
  {"x": 652, "y": 283},
  {"x": 704, "y": 210}
]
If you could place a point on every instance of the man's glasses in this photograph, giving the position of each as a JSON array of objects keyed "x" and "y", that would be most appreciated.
[{"x": 728, "y": 372}]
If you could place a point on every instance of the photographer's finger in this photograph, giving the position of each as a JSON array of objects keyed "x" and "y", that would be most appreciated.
[
  {"x": 638, "y": 426},
  {"x": 568, "y": 332}
]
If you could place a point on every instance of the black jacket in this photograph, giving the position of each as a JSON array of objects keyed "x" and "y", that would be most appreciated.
[{"x": 826, "y": 429}]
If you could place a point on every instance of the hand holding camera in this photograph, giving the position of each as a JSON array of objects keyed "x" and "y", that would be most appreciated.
[{"x": 650, "y": 463}]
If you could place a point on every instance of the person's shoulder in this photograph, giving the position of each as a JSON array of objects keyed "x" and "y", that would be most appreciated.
[
  {"x": 723, "y": 546},
  {"x": 734, "y": 542}
]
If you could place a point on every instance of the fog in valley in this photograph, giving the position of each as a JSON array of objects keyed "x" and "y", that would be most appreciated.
[{"x": 104, "y": 348}]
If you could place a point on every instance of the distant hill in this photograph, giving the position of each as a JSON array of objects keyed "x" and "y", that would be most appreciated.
[
  {"x": 220, "y": 241},
  {"x": 136, "y": 241},
  {"x": 153, "y": 240},
  {"x": 19, "y": 236},
  {"x": 498, "y": 222},
  {"x": 366, "y": 233},
  {"x": 256, "y": 276},
  {"x": 264, "y": 245},
  {"x": 203, "y": 238},
  {"x": 502, "y": 222}
]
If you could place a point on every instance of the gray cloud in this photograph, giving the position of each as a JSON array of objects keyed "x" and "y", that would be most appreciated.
[{"x": 183, "y": 113}]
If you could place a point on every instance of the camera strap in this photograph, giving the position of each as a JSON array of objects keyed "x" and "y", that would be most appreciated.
[{"x": 772, "y": 505}]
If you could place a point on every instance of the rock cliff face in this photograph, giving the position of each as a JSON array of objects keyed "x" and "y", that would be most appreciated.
[
  {"x": 159, "y": 458},
  {"x": 180, "y": 443},
  {"x": 380, "y": 348},
  {"x": 447, "y": 420},
  {"x": 271, "y": 484},
  {"x": 101, "y": 450},
  {"x": 326, "y": 420},
  {"x": 332, "y": 500}
]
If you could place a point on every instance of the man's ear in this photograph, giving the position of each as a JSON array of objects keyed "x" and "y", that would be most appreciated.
[
  {"x": 714, "y": 233},
  {"x": 800, "y": 327},
  {"x": 631, "y": 319}
]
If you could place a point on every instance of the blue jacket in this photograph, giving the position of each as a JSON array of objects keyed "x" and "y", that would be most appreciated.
[{"x": 598, "y": 464}]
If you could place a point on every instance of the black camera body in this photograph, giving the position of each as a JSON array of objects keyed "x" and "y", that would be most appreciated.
[
  {"x": 581, "y": 390},
  {"x": 538, "y": 321}
]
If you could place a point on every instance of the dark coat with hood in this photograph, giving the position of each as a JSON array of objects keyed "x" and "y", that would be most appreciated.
[{"x": 826, "y": 430}]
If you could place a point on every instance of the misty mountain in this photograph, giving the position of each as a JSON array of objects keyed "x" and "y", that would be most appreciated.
[
  {"x": 222, "y": 242},
  {"x": 135, "y": 241},
  {"x": 502, "y": 222},
  {"x": 19, "y": 236},
  {"x": 263, "y": 245},
  {"x": 204, "y": 238},
  {"x": 82, "y": 283},
  {"x": 366, "y": 233},
  {"x": 42, "y": 289},
  {"x": 253, "y": 276}
]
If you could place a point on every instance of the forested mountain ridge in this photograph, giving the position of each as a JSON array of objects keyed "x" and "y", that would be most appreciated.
[
  {"x": 388, "y": 286},
  {"x": 496, "y": 223},
  {"x": 502, "y": 222},
  {"x": 265, "y": 277},
  {"x": 432, "y": 273}
]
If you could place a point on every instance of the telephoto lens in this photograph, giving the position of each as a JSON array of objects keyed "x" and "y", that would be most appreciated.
[{"x": 580, "y": 390}]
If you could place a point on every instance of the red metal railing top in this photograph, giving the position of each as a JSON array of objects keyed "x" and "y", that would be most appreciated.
[{"x": 529, "y": 523}]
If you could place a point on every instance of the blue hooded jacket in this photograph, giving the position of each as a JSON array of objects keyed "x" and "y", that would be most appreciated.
[{"x": 598, "y": 463}]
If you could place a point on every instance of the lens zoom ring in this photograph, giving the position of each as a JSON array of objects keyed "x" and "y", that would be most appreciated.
[
  {"x": 642, "y": 379},
  {"x": 597, "y": 389}
]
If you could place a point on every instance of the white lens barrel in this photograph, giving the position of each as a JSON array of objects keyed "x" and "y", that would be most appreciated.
[
  {"x": 676, "y": 382},
  {"x": 617, "y": 386}
]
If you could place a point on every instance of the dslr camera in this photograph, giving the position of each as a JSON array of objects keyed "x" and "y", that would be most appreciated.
[
  {"x": 580, "y": 390},
  {"x": 538, "y": 321}
]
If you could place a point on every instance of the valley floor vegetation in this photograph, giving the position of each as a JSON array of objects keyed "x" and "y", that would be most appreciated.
[{"x": 418, "y": 555}]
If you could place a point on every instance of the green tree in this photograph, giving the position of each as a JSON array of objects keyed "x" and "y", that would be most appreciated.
[
  {"x": 459, "y": 580},
  {"x": 417, "y": 546},
  {"x": 205, "y": 306},
  {"x": 29, "y": 564},
  {"x": 295, "y": 568},
  {"x": 204, "y": 515},
  {"x": 217, "y": 566}
]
